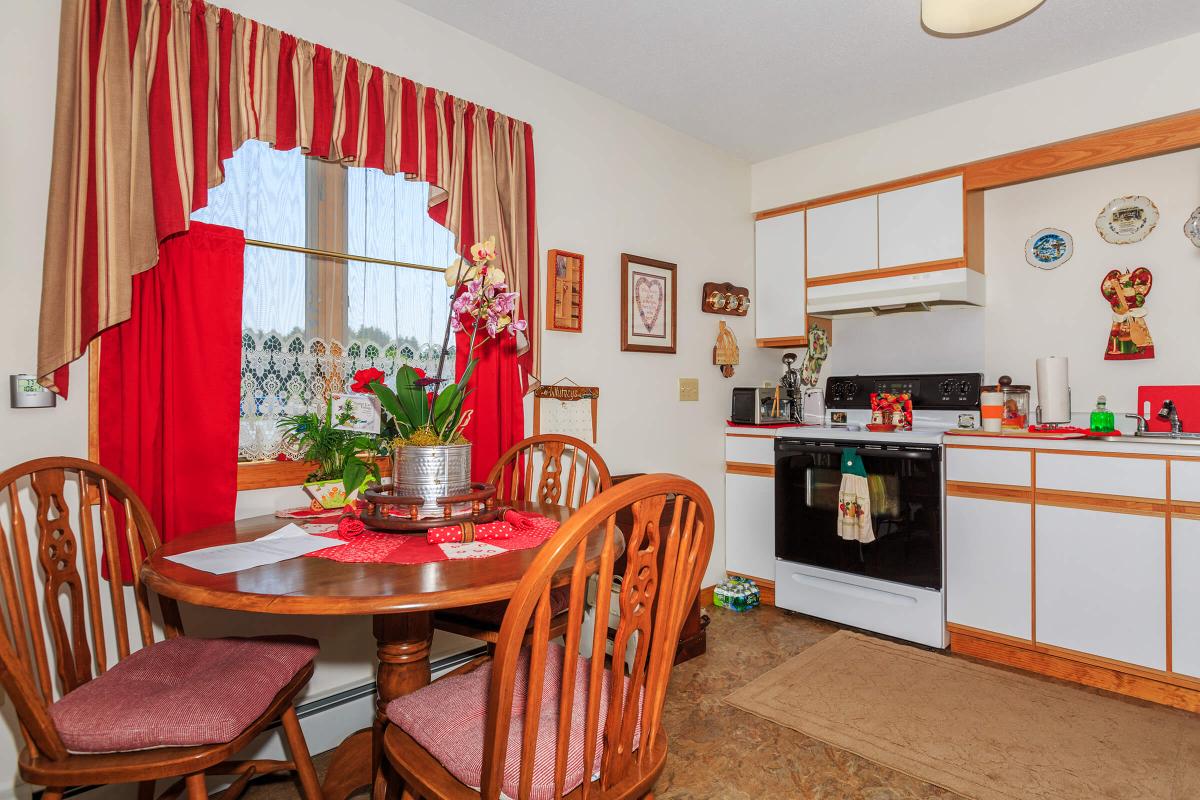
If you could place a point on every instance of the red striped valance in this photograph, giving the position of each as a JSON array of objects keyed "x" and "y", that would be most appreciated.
[{"x": 154, "y": 94}]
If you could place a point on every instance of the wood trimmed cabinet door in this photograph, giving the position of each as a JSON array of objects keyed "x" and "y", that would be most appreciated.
[
  {"x": 922, "y": 224},
  {"x": 1101, "y": 584},
  {"x": 989, "y": 565},
  {"x": 843, "y": 237},
  {"x": 750, "y": 525},
  {"x": 780, "y": 293},
  {"x": 1185, "y": 596}
]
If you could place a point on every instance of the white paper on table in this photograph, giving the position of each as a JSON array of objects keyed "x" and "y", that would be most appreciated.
[
  {"x": 470, "y": 549},
  {"x": 289, "y": 541}
]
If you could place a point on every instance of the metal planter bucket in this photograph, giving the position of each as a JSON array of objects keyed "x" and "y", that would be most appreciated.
[{"x": 432, "y": 472}]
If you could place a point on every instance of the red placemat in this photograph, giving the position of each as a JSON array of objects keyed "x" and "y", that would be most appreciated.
[{"x": 374, "y": 547}]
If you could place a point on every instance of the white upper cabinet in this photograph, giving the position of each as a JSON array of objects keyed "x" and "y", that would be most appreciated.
[
  {"x": 779, "y": 291},
  {"x": 922, "y": 223},
  {"x": 843, "y": 237}
]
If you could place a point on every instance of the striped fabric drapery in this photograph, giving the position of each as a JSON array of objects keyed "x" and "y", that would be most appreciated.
[{"x": 154, "y": 94}]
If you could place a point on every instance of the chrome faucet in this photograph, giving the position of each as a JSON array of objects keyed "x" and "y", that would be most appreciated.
[
  {"x": 1141, "y": 424},
  {"x": 1168, "y": 413}
]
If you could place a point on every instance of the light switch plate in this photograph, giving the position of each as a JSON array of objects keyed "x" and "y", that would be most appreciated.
[{"x": 689, "y": 389}]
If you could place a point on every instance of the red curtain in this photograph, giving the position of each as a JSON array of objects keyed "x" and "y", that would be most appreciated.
[
  {"x": 498, "y": 421},
  {"x": 170, "y": 382}
]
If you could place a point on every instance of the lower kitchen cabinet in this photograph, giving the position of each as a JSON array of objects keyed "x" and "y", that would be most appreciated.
[
  {"x": 989, "y": 565},
  {"x": 1185, "y": 596},
  {"x": 1101, "y": 583},
  {"x": 750, "y": 525}
]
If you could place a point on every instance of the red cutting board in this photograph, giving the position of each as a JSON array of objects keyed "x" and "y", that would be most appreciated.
[{"x": 1187, "y": 402}]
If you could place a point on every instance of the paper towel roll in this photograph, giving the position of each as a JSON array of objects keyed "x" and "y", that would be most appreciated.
[{"x": 1054, "y": 390}]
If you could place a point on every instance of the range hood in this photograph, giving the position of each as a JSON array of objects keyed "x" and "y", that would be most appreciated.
[{"x": 920, "y": 291}]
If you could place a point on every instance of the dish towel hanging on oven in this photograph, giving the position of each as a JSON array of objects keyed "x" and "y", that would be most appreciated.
[{"x": 854, "y": 499}]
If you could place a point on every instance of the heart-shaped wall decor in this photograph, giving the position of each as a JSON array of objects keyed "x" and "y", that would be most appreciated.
[{"x": 648, "y": 296}]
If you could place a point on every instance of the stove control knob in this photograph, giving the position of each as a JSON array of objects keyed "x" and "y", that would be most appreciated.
[
  {"x": 964, "y": 388},
  {"x": 947, "y": 388}
]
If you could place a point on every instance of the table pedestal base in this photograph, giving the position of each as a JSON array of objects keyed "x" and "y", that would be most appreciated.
[{"x": 402, "y": 650}]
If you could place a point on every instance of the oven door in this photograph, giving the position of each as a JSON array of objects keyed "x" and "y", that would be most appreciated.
[{"x": 906, "y": 510}]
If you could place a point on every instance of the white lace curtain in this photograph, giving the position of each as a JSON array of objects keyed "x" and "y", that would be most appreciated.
[{"x": 284, "y": 375}]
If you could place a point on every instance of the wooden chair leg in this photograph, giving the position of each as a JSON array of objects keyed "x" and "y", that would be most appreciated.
[
  {"x": 51, "y": 793},
  {"x": 407, "y": 794},
  {"x": 306, "y": 776},
  {"x": 196, "y": 790}
]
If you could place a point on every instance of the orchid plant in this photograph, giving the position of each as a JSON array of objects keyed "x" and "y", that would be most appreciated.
[{"x": 425, "y": 413}]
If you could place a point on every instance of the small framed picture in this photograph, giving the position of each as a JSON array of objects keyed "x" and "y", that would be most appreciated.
[
  {"x": 564, "y": 291},
  {"x": 356, "y": 412},
  {"x": 648, "y": 295}
]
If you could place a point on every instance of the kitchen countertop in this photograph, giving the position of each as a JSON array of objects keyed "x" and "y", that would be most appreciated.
[{"x": 1117, "y": 445}]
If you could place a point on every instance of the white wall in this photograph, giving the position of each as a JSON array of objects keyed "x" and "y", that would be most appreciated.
[
  {"x": 609, "y": 180},
  {"x": 1033, "y": 313},
  {"x": 1142, "y": 85}
]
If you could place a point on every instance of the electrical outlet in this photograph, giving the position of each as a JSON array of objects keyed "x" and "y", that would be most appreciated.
[{"x": 689, "y": 389}]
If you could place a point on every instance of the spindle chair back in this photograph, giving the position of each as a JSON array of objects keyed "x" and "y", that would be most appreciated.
[
  {"x": 550, "y": 468},
  {"x": 664, "y": 567},
  {"x": 61, "y": 628},
  {"x": 64, "y": 606}
]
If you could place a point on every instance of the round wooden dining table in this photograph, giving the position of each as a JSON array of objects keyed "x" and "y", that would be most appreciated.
[{"x": 399, "y": 597}]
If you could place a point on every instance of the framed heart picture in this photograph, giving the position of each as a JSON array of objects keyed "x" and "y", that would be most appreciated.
[{"x": 647, "y": 305}]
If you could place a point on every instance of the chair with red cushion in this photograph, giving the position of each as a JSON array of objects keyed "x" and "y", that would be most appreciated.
[
  {"x": 96, "y": 708},
  {"x": 568, "y": 472},
  {"x": 540, "y": 721}
]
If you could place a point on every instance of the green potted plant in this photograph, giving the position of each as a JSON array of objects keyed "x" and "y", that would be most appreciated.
[
  {"x": 345, "y": 459},
  {"x": 430, "y": 456}
]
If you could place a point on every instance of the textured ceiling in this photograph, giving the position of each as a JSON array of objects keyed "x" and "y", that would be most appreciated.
[{"x": 760, "y": 78}]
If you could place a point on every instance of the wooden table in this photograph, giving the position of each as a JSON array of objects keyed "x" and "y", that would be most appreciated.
[{"x": 399, "y": 597}]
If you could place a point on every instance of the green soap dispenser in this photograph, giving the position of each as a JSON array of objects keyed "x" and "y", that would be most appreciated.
[{"x": 1102, "y": 420}]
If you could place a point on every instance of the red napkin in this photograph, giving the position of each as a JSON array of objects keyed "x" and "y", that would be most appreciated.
[{"x": 512, "y": 521}]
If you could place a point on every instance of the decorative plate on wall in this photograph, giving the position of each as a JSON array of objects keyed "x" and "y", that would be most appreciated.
[
  {"x": 1126, "y": 220},
  {"x": 1049, "y": 248},
  {"x": 1191, "y": 228}
]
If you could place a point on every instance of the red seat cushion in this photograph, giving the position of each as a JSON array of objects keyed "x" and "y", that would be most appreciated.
[
  {"x": 492, "y": 614},
  {"x": 180, "y": 692},
  {"x": 448, "y": 718}
]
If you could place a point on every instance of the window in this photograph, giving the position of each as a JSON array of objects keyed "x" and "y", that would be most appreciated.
[{"x": 313, "y": 316}]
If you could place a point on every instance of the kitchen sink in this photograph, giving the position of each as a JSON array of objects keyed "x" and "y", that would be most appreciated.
[{"x": 1183, "y": 438}]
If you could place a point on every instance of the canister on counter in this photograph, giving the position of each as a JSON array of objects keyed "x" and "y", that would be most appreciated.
[{"x": 1014, "y": 417}]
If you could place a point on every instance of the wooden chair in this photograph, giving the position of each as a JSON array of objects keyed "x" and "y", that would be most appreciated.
[
  {"x": 152, "y": 692},
  {"x": 577, "y": 728},
  {"x": 583, "y": 476}
]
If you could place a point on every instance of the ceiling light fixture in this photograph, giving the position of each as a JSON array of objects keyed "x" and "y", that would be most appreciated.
[{"x": 966, "y": 17}]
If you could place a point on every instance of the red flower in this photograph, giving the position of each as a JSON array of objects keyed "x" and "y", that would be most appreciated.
[
  {"x": 363, "y": 378},
  {"x": 420, "y": 372}
]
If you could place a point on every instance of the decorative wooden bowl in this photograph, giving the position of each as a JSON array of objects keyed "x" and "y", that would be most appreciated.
[{"x": 384, "y": 511}]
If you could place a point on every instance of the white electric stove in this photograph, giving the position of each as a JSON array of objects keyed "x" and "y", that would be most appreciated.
[{"x": 894, "y": 584}]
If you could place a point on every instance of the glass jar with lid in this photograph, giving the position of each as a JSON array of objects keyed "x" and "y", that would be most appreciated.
[{"x": 1014, "y": 417}]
